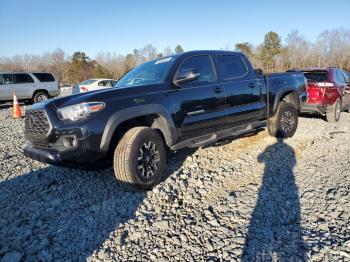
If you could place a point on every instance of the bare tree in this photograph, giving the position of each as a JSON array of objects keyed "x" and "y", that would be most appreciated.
[
  {"x": 113, "y": 63},
  {"x": 297, "y": 50},
  {"x": 59, "y": 64},
  {"x": 149, "y": 52},
  {"x": 333, "y": 48},
  {"x": 167, "y": 51}
]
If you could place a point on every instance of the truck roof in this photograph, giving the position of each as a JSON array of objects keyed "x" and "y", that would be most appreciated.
[
  {"x": 211, "y": 51},
  {"x": 312, "y": 69},
  {"x": 194, "y": 52}
]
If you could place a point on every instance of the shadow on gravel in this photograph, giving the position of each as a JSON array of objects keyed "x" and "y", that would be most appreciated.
[
  {"x": 61, "y": 214},
  {"x": 230, "y": 139},
  {"x": 314, "y": 115},
  {"x": 274, "y": 232},
  {"x": 65, "y": 214},
  {"x": 5, "y": 106}
]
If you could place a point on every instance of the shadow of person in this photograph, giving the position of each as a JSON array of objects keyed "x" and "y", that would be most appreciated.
[{"x": 274, "y": 232}]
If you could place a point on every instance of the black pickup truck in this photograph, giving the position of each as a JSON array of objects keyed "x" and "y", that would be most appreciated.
[{"x": 184, "y": 100}]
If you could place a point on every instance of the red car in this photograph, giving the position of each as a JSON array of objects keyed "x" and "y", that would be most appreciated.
[{"x": 328, "y": 92}]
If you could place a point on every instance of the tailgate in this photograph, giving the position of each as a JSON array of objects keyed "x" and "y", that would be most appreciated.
[
  {"x": 323, "y": 93},
  {"x": 315, "y": 93}
]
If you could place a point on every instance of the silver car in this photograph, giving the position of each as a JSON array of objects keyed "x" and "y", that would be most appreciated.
[{"x": 28, "y": 86}]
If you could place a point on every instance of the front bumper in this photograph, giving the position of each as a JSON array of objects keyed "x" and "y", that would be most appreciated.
[
  {"x": 45, "y": 155},
  {"x": 75, "y": 144},
  {"x": 77, "y": 157}
]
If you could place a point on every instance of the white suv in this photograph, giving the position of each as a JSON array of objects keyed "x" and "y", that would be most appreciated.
[{"x": 28, "y": 86}]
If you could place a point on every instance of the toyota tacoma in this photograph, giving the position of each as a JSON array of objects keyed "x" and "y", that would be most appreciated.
[{"x": 184, "y": 100}]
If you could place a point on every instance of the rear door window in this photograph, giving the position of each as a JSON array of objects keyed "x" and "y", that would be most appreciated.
[
  {"x": 6, "y": 79},
  {"x": 103, "y": 83},
  {"x": 44, "y": 77},
  {"x": 22, "y": 79},
  {"x": 232, "y": 66},
  {"x": 316, "y": 76},
  {"x": 340, "y": 77}
]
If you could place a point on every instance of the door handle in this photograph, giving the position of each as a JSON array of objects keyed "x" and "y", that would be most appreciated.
[
  {"x": 252, "y": 85},
  {"x": 218, "y": 90}
]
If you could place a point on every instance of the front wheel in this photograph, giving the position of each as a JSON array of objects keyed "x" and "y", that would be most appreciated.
[
  {"x": 333, "y": 112},
  {"x": 140, "y": 158},
  {"x": 40, "y": 96},
  {"x": 285, "y": 121}
]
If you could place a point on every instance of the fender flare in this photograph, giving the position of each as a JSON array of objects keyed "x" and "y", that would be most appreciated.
[
  {"x": 281, "y": 93},
  {"x": 164, "y": 123}
]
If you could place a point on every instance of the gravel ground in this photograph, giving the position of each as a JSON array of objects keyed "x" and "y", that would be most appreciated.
[{"x": 249, "y": 199}]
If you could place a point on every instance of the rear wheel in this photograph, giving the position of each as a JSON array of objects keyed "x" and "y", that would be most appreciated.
[
  {"x": 333, "y": 112},
  {"x": 140, "y": 158},
  {"x": 285, "y": 121},
  {"x": 40, "y": 96}
]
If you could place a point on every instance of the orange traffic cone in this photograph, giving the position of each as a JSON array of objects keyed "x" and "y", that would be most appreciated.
[{"x": 16, "y": 108}]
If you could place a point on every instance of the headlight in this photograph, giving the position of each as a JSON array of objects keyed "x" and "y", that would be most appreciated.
[{"x": 79, "y": 111}]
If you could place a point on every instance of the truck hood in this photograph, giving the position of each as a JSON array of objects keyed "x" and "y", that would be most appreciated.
[{"x": 104, "y": 95}]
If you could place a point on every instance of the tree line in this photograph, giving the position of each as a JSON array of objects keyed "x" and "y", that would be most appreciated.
[
  {"x": 79, "y": 67},
  {"x": 331, "y": 48}
]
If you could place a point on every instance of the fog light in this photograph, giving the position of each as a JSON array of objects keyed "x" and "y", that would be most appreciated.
[{"x": 69, "y": 141}]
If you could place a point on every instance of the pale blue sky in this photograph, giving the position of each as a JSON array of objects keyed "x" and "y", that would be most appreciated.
[{"x": 38, "y": 26}]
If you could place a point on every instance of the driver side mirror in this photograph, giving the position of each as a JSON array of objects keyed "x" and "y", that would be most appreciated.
[{"x": 185, "y": 76}]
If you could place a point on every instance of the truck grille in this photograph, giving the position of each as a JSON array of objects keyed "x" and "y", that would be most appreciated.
[{"x": 36, "y": 123}]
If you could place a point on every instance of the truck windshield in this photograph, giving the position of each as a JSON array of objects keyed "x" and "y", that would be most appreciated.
[
  {"x": 316, "y": 76},
  {"x": 152, "y": 72}
]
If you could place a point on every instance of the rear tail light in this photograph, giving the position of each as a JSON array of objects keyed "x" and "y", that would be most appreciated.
[
  {"x": 325, "y": 84},
  {"x": 83, "y": 88}
]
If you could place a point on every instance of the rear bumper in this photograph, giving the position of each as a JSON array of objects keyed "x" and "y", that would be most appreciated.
[{"x": 313, "y": 108}]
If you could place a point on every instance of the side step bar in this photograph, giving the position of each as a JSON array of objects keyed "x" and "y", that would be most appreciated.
[{"x": 208, "y": 139}]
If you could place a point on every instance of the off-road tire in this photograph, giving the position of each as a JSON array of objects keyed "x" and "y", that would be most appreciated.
[
  {"x": 333, "y": 112},
  {"x": 285, "y": 121},
  {"x": 126, "y": 161},
  {"x": 40, "y": 96}
]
